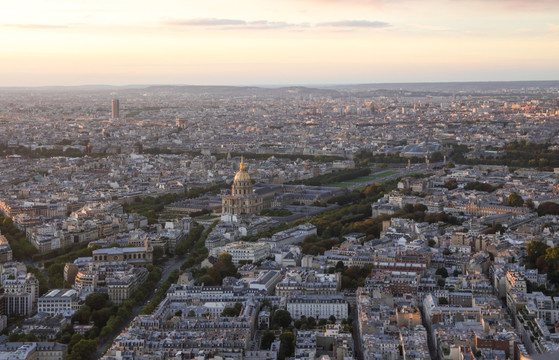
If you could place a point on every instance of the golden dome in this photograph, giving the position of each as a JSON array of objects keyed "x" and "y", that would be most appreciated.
[{"x": 242, "y": 175}]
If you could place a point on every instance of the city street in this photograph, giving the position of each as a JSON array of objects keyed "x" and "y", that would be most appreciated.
[{"x": 167, "y": 268}]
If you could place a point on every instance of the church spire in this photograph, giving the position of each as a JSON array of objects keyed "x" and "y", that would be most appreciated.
[{"x": 242, "y": 167}]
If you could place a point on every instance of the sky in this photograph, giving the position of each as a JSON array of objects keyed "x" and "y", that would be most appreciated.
[{"x": 276, "y": 42}]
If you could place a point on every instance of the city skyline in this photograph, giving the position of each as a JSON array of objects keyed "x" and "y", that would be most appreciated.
[{"x": 281, "y": 43}]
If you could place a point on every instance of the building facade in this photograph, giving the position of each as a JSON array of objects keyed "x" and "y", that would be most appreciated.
[
  {"x": 33, "y": 350},
  {"x": 115, "y": 109},
  {"x": 57, "y": 301},
  {"x": 317, "y": 306},
  {"x": 21, "y": 294},
  {"x": 137, "y": 256},
  {"x": 244, "y": 252},
  {"x": 5, "y": 250},
  {"x": 122, "y": 286}
]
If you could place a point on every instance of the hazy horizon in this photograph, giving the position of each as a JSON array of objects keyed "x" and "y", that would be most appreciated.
[
  {"x": 288, "y": 42},
  {"x": 287, "y": 85}
]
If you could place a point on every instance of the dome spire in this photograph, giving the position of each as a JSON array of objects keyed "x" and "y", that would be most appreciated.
[{"x": 242, "y": 174}]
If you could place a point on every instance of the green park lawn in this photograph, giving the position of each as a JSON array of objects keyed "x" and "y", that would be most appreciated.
[{"x": 364, "y": 179}]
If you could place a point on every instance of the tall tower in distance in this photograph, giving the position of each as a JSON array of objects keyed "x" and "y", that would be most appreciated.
[{"x": 115, "y": 109}]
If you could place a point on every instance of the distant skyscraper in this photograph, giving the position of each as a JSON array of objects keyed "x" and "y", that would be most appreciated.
[{"x": 115, "y": 109}]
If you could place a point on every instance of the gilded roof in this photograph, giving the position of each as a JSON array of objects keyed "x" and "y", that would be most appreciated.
[{"x": 242, "y": 174}]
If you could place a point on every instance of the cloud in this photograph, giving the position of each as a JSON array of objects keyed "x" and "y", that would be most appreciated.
[
  {"x": 232, "y": 24},
  {"x": 204, "y": 22},
  {"x": 264, "y": 24},
  {"x": 355, "y": 24},
  {"x": 553, "y": 27},
  {"x": 36, "y": 26},
  {"x": 237, "y": 24}
]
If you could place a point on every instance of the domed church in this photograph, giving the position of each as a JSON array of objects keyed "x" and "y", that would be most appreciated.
[{"x": 242, "y": 199}]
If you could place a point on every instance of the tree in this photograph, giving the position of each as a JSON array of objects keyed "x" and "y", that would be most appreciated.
[
  {"x": 515, "y": 200},
  {"x": 267, "y": 339},
  {"x": 332, "y": 319},
  {"x": 548, "y": 208},
  {"x": 84, "y": 350},
  {"x": 229, "y": 312},
  {"x": 191, "y": 313},
  {"x": 536, "y": 249},
  {"x": 530, "y": 204},
  {"x": 76, "y": 338},
  {"x": 340, "y": 267},
  {"x": 451, "y": 184},
  {"x": 97, "y": 301},
  {"x": 208, "y": 280},
  {"x": 373, "y": 189},
  {"x": 479, "y": 186},
  {"x": 82, "y": 315},
  {"x": 282, "y": 318},
  {"x": 181, "y": 248},
  {"x": 65, "y": 339},
  {"x": 552, "y": 257},
  {"x": 442, "y": 272},
  {"x": 450, "y": 165},
  {"x": 408, "y": 208},
  {"x": 21, "y": 337},
  {"x": 100, "y": 317},
  {"x": 93, "y": 333},
  {"x": 158, "y": 253},
  {"x": 225, "y": 265},
  {"x": 287, "y": 345},
  {"x": 495, "y": 229},
  {"x": 232, "y": 311},
  {"x": 311, "y": 321},
  {"x": 443, "y": 301},
  {"x": 355, "y": 276},
  {"x": 446, "y": 251},
  {"x": 437, "y": 156},
  {"x": 541, "y": 264}
]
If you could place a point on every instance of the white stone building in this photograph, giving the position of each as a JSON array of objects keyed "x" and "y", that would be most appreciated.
[
  {"x": 244, "y": 251},
  {"x": 317, "y": 306},
  {"x": 58, "y": 301}
]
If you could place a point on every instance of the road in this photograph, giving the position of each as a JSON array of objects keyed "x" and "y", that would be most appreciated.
[
  {"x": 430, "y": 339},
  {"x": 167, "y": 268},
  {"x": 357, "y": 348}
]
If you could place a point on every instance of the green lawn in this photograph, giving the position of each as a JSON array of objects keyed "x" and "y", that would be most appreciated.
[{"x": 363, "y": 179}]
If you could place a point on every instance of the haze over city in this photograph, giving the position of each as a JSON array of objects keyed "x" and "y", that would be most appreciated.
[{"x": 250, "y": 42}]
